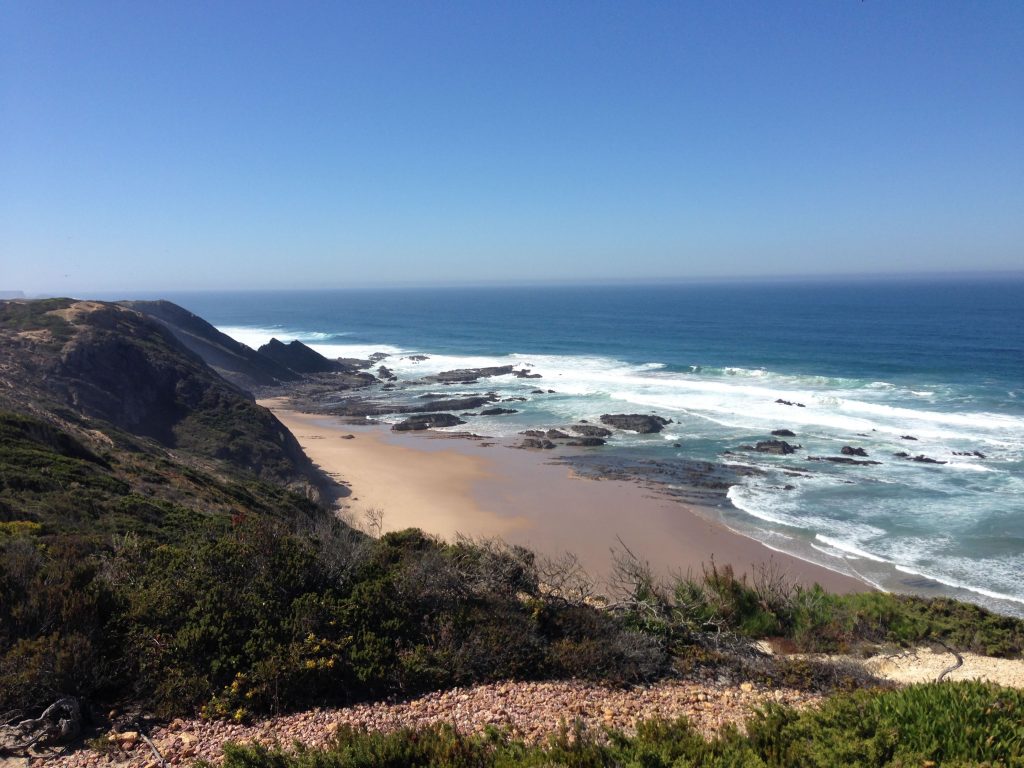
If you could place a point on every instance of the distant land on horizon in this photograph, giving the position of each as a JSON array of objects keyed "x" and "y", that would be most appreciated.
[{"x": 851, "y": 277}]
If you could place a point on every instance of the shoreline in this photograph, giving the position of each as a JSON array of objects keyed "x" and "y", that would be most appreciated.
[{"x": 449, "y": 487}]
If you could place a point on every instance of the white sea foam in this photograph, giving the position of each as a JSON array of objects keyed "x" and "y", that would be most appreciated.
[
  {"x": 950, "y": 582},
  {"x": 848, "y": 548},
  {"x": 724, "y": 407}
]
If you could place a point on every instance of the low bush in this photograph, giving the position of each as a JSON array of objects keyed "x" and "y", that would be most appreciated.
[{"x": 950, "y": 724}]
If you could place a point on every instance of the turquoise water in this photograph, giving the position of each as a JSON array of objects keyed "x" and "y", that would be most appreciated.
[{"x": 942, "y": 361}]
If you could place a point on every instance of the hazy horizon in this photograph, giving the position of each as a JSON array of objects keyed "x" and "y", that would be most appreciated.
[{"x": 177, "y": 148}]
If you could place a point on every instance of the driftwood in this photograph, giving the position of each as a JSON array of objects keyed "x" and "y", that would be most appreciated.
[{"x": 60, "y": 722}]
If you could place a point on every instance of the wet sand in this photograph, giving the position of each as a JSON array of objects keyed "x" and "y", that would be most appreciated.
[{"x": 456, "y": 486}]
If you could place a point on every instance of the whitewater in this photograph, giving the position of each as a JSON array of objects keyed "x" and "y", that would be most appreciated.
[{"x": 949, "y": 393}]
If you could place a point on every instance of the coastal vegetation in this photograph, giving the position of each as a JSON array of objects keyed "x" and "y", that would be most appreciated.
[
  {"x": 162, "y": 546},
  {"x": 954, "y": 724}
]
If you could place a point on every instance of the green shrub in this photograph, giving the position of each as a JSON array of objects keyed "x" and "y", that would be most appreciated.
[
  {"x": 947, "y": 724},
  {"x": 938, "y": 723}
]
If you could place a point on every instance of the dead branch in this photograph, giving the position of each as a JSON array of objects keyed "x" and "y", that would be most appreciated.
[
  {"x": 959, "y": 661},
  {"x": 59, "y": 722}
]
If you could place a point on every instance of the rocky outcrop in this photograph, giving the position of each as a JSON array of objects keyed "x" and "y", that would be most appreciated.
[
  {"x": 776, "y": 447},
  {"x": 780, "y": 401},
  {"x": 635, "y": 422},
  {"x": 555, "y": 434},
  {"x": 386, "y": 374},
  {"x": 591, "y": 430},
  {"x": 360, "y": 407},
  {"x": 783, "y": 433},
  {"x": 525, "y": 374},
  {"x": 841, "y": 460},
  {"x": 536, "y": 442},
  {"x": 239, "y": 364},
  {"x": 298, "y": 357},
  {"x": 849, "y": 450},
  {"x": 497, "y": 411},
  {"x": 587, "y": 442},
  {"x": 469, "y": 375},
  {"x": 427, "y": 421}
]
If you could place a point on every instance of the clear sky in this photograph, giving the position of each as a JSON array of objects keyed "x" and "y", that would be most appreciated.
[{"x": 177, "y": 145}]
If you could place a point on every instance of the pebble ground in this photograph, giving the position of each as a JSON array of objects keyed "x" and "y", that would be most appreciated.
[{"x": 531, "y": 711}]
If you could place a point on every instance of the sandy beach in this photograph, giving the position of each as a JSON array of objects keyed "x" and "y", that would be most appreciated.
[{"x": 456, "y": 486}]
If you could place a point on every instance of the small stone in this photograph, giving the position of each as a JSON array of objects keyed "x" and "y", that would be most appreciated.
[
  {"x": 746, "y": 687},
  {"x": 127, "y": 739}
]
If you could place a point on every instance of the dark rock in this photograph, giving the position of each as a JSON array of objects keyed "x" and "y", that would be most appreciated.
[
  {"x": 745, "y": 447},
  {"x": 902, "y": 455},
  {"x": 514, "y": 400},
  {"x": 635, "y": 422},
  {"x": 921, "y": 458},
  {"x": 783, "y": 433},
  {"x": 497, "y": 411},
  {"x": 369, "y": 408},
  {"x": 848, "y": 450},
  {"x": 533, "y": 442},
  {"x": 376, "y": 357},
  {"x": 587, "y": 442},
  {"x": 554, "y": 434},
  {"x": 841, "y": 460},
  {"x": 525, "y": 374},
  {"x": 590, "y": 430},
  {"x": 777, "y": 447},
  {"x": 537, "y": 392},
  {"x": 386, "y": 374},
  {"x": 427, "y": 421},
  {"x": 976, "y": 454},
  {"x": 551, "y": 392},
  {"x": 907, "y": 437},
  {"x": 533, "y": 433},
  {"x": 470, "y": 375},
  {"x": 348, "y": 437},
  {"x": 677, "y": 445},
  {"x": 790, "y": 402},
  {"x": 299, "y": 357}
]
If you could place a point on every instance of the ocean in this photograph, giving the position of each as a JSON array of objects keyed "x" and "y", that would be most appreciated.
[{"x": 864, "y": 364}]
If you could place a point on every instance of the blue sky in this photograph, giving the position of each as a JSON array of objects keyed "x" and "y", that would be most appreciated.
[{"x": 153, "y": 146}]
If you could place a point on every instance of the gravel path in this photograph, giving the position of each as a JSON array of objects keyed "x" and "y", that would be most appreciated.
[{"x": 530, "y": 710}]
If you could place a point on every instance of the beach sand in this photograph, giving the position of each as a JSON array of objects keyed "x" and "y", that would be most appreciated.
[{"x": 451, "y": 486}]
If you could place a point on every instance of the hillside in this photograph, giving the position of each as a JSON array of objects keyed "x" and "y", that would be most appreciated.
[
  {"x": 239, "y": 364},
  {"x": 84, "y": 366}
]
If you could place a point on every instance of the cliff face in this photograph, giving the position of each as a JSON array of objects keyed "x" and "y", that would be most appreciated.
[
  {"x": 91, "y": 366},
  {"x": 233, "y": 360}
]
